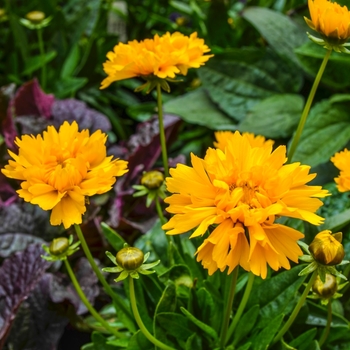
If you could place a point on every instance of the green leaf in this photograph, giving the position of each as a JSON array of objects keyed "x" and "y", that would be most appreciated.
[
  {"x": 277, "y": 29},
  {"x": 326, "y": 131},
  {"x": 318, "y": 317},
  {"x": 193, "y": 342},
  {"x": 71, "y": 62},
  {"x": 35, "y": 62},
  {"x": 100, "y": 342},
  {"x": 196, "y": 108},
  {"x": 303, "y": 341},
  {"x": 274, "y": 117},
  {"x": 264, "y": 338},
  {"x": 139, "y": 341},
  {"x": 246, "y": 324},
  {"x": 113, "y": 238},
  {"x": 237, "y": 86},
  {"x": 204, "y": 327},
  {"x": 69, "y": 86},
  {"x": 207, "y": 309},
  {"x": 337, "y": 72},
  {"x": 167, "y": 302},
  {"x": 283, "y": 288},
  {"x": 245, "y": 346}
]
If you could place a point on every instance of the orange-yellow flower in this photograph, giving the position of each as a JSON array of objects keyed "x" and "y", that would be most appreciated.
[
  {"x": 342, "y": 161},
  {"x": 163, "y": 56},
  {"x": 222, "y": 138},
  {"x": 59, "y": 169},
  {"x": 330, "y": 19},
  {"x": 237, "y": 193}
]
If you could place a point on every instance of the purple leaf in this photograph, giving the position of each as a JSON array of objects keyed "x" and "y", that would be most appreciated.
[
  {"x": 87, "y": 118},
  {"x": 31, "y": 100},
  {"x": 19, "y": 275}
]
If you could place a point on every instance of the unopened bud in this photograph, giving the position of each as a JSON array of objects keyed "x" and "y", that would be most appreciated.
[
  {"x": 59, "y": 245},
  {"x": 326, "y": 248},
  {"x": 152, "y": 179},
  {"x": 35, "y": 17},
  {"x": 325, "y": 290},
  {"x": 130, "y": 258}
]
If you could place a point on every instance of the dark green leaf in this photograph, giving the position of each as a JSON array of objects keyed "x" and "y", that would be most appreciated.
[
  {"x": 167, "y": 302},
  {"x": 99, "y": 342},
  {"x": 326, "y": 131},
  {"x": 35, "y": 62},
  {"x": 113, "y": 238},
  {"x": 246, "y": 324},
  {"x": 69, "y": 86},
  {"x": 196, "y": 108},
  {"x": 337, "y": 72},
  {"x": 71, "y": 62},
  {"x": 206, "y": 308},
  {"x": 139, "y": 341},
  {"x": 303, "y": 341},
  {"x": 204, "y": 327},
  {"x": 265, "y": 337},
  {"x": 193, "y": 342},
  {"x": 277, "y": 29},
  {"x": 274, "y": 117}
]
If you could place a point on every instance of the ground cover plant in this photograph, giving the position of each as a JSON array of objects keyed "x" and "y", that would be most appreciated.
[{"x": 174, "y": 175}]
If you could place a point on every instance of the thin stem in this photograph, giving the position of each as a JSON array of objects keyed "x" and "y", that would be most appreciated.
[
  {"x": 296, "y": 309},
  {"x": 228, "y": 308},
  {"x": 160, "y": 212},
  {"x": 161, "y": 130},
  {"x": 139, "y": 322},
  {"x": 116, "y": 299},
  {"x": 306, "y": 110},
  {"x": 42, "y": 54},
  {"x": 86, "y": 302},
  {"x": 241, "y": 306},
  {"x": 328, "y": 326}
]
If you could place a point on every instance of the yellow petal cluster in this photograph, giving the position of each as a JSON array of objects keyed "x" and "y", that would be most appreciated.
[
  {"x": 163, "y": 56},
  {"x": 329, "y": 19},
  {"x": 237, "y": 193},
  {"x": 342, "y": 161},
  {"x": 59, "y": 169}
]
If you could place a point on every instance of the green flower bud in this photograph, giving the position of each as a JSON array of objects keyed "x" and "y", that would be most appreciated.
[
  {"x": 130, "y": 258},
  {"x": 35, "y": 17},
  {"x": 2, "y": 13},
  {"x": 326, "y": 248},
  {"x": 59, "y": 245},
  {"x": 325, "y": 290},
  {"x": 152, "y": 179}
]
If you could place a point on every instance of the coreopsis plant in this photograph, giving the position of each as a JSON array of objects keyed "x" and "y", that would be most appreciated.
[
  {"x": 60, "y": 169},
  {"x": 240, "y": 190},
  {"x": 342, "y": 161}
]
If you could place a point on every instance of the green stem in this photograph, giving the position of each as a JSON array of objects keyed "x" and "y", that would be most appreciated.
[
  {"x": 296, "y": 309},
  {"x": 42, "y": 54},
  {"x": 306, "y": 110},
  {"x": 162, "y": 131},
  {"x": 328, "y": 326},
  {"x": 228, "y": 308},
  {"x": 116, "y": 299},
  {"x": 139, "y": 322},
  {"x": 86, "y": 302},
  {"x": 160, "y": 212},
  {"x": 241, "y": 306}
]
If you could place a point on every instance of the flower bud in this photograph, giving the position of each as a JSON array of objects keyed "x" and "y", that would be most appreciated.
[
  {"x": 152, "y": 179},
  {"x": 59, "y": 245},
  {"x": 130, "y": 258},
  {"x": 325, "y": 290},
  {"x": 35, "y": 17},
  {"x": 326, "y": 248},
  {"x": 2, "y": 13}
]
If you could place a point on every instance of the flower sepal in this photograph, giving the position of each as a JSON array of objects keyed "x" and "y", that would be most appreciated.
[
  {"x": 60, "y": 248},
  {"x": 128, "y": 263},
  {"x": 329, "y": 45}
]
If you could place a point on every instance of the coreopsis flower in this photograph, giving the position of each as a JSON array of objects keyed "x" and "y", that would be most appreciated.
[
  {"x": 162, "y": 57},
  {"x": 61, "y": 169},
  {"x": 332, "y": 21},
  {"x": 222, "y": 138},
  {"x": 237, "y": 194},
  {"x": 342, "y": 161}
]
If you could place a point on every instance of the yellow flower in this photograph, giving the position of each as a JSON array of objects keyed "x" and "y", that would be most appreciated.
[
  {"x": 241, "y": 190},
  {"x": 331, "y": 20},
  {"x": 163, "y": 57},
  {"x": 326, "y": 248},
  {"x": 222, "y": 138},
  {"x": 342, "y": 161},
  {"x": 59, "y": 169}
]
